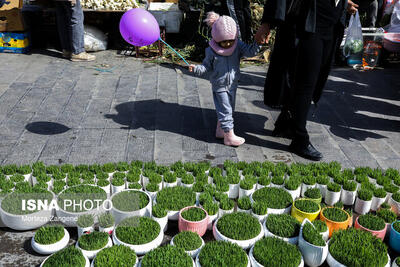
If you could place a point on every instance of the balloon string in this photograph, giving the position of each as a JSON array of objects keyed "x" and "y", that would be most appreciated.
[{"x": 174, "y": 50}]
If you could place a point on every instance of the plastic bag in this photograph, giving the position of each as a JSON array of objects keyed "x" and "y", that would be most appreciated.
[
  {"x": 354, "y": 39},
  {"x": 95, "y": 40},
  {"x": 395, "y": 20}
]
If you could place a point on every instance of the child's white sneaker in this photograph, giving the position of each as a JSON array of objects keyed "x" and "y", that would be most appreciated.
[
  {"x": 219, "y": 133},
  {"x": 230, "y": 139}
]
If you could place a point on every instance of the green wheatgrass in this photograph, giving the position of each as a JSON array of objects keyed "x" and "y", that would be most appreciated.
[
  {"x": 335, "y": 214},
  {"x": 274, "y": 198},
  {"x": 355, "y": 247},
  {"x": 117, "y": 255},
  {"x": 49, "y": 234},
  {"x": 238, "y": 226},
  {"x": 221, "y": 253},
  {"x": 170, "y": 256},
  {"x": 130, "y": 200},
  {"x": 193, "y": 214},
  {"x": 272, "y": 252},
  {"x": 93, "y": 241},
  {"x": 137, "y": 230},
  {"x": 312, "y": 235},
  {"x": 187, "y": 240},
  {"x": 371, "y": 222},
  {"x": 176, "y": 198},
  {"x": 69, "y": 256},
  {"x": 283, "y": 225},
  {"x": 306, "y": 205}
]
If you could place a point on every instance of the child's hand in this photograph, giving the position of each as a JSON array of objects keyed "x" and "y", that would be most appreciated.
[{"x": 191, "y": 67}]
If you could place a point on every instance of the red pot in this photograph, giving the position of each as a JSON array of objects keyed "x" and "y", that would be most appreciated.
[
  {"x": 199, "y": 227},
  {"x": 379, "y": 234}
]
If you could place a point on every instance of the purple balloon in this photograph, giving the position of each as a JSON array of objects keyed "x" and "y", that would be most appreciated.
[{"x": 139, "y": 27}]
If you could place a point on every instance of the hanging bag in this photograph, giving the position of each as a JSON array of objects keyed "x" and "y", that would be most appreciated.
[{"x": 354, "y": 39}]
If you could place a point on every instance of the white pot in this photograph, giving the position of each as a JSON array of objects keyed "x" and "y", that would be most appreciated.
[
  {"x": 145, "y": 181},
  {"x": 210, "y": 180},
  {"x": 322, "y": 188},
  {"x": 192, "y": 253},
  {"x": 141, "y": 249},
  {"x": 170, "y": 184},
  {"x": 197, "y": 197},
  {"x": 255, "y": 263},
  {"x": 325, "y": 235},
  {"x": 348, "y": 197},
  {"x": 163, "y": 222},
  {"x": 332, "y": 197},
  {"x": 211, "y": 220},
  {"x": 223, "y": 212},
  {"x": 87, "y": 262},
  {"x": 117, "y": 189},
  {"x": 305, "y": 187},
  {"x": 27, "y": 177},
  {"x": 394, "y": 264},
  {"x": 292, "y": 240},
  {"x": 51, "y": 248},
  {"x": 362, "y": 207},
  {"x": 110, "y": 175},
  {"x": 245, "y": 211},
  {"x": 377, "y": 202},
  {"x": 233, "y": 191},
  {"x": 246, "y": 193},
  {"x": 332, "y": 262},
  {"x": 136, "y": 264},
  {"x": 85, "y": 230},
  {"x": 395, "y": 205},
  {"x": 90, "y": 254},
  {"x": 179, "y": 181},
  {"x": 388, "y": 197},
  {"x": 244, "y": 244},
  {"x": 108, "y": 230},
  {"x": 279, "y": 211},
  {"x": 260, "y": 218},
  {"x": 199, "y": 265},
  {"x": 151, "y": 194},
  {"x": 187, "y": 185},
  {"x": 277, "y": 185},
  {"x": 120, "y": 215},
  {"x": 294, "y": 193},
  {"x": 26, "y": 222},
  {"x": 313, "y": 255},
  {"x": 107, "y": 188},
  {"x": 260, "y": 186}
]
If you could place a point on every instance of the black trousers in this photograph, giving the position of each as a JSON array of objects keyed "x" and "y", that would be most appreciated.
[{"x": 313, "y": 55}]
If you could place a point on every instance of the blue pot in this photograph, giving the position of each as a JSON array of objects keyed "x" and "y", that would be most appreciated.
[{"x": 394, "y": 239}]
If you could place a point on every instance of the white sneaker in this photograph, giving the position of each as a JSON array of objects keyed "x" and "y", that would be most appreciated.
[{"x": 82, "y": 57}]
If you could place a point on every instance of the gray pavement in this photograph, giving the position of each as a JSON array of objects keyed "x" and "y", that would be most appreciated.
[{"x": 57, "y": 111}]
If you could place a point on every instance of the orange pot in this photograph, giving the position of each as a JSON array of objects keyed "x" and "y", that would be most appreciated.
[{"x": 332, "y": 225}]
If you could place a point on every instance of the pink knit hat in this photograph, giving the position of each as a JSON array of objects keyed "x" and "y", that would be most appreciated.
[{"x": 223, "y": 28}]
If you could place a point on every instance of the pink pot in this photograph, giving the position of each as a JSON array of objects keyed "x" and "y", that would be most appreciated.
[
  {"x": 199, "y": 227},
  {"x": 379, "y": 234}
]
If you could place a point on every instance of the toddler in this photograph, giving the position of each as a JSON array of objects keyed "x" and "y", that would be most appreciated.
[{"x": 222, "y": 62}]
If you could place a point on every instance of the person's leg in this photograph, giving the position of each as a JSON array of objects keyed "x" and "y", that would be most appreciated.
[
  {"x": 77, "y": 32},
  {"x": 372, "y": 13},
  {"x": 63, "y": 15},
  {"x": 225, "y": 117},
  {"x": 308, "y": 65}
]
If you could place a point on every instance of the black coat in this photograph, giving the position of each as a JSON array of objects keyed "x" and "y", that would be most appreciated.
[{"x": 292, "y": 18}]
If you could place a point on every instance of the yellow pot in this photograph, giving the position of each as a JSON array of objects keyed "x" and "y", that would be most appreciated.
[{"x": 301, "y": 215}]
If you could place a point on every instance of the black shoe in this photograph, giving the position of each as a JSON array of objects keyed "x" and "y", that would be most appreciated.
[{"x": 308, "y": 151}]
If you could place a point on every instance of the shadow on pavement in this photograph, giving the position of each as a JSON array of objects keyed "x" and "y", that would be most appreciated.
[{"x": 188, "y": 121}]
